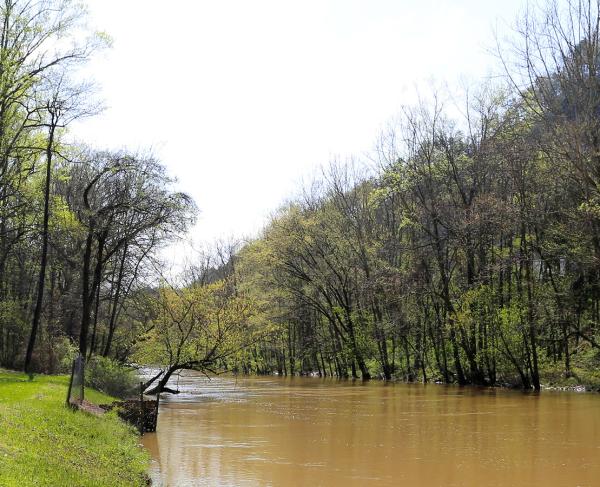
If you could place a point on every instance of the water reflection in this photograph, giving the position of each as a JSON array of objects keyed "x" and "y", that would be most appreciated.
[{"x": 305, "y": 431}]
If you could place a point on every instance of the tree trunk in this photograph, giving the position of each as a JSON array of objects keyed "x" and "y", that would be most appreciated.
[
  {"x": 37, "y": 313},
  {"x": 113, "y": 316}
]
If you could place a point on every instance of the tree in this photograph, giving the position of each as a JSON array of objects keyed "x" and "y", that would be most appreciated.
[
  {"x": 196, "y": 326},
  {"x": 123, "y": 199},
  {"x": 37, "y": 40},
  {"x": 63, "y": 106},
  {"x": 556, "y": 72}
]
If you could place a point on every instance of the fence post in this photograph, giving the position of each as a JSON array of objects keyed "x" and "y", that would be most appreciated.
[
  {"x": 142, "y": 408},
  {"x": 82, "y": 362},
  {"x": 76, "y": 384},
  {"x": 70, "y": 384},
  {"x": 156, "y": 411}
]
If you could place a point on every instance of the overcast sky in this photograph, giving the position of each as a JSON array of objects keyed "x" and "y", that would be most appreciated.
[{"x": 242, "y": 98}]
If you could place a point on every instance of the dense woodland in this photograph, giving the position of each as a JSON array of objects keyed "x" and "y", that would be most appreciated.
[
  {"x": 76, "y": 224},
  {"x": 468, "y": 252}
]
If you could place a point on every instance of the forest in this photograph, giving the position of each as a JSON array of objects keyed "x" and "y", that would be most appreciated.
[{"x": 465, "y": 250}]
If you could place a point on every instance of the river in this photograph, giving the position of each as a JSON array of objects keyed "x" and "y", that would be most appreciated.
[{"x": 317, "y": 432}]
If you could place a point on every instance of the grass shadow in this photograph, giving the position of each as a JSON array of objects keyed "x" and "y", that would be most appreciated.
[{"x": 4, "y": 380}]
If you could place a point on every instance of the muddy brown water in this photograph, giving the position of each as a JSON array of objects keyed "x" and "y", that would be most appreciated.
[{"x": 318, "y": 432}]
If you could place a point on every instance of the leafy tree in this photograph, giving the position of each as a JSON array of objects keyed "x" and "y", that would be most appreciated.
[{"x": 196, "y": 327}]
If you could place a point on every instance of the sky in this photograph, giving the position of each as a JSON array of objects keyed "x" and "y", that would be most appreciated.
[{"x": 243, "y": 100}]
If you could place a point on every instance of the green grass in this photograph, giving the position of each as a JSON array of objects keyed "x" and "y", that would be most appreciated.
[
  {"x": 585, "y": 370},
  {"x": 44, "y": 443}
]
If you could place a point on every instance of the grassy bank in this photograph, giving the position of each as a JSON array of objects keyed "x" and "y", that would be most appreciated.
[
  {"x": 44, "y": 443},
  {"x": 584, "y": 375}
]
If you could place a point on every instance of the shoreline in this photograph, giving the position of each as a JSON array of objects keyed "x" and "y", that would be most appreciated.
[
  {"x": 556, "y": 385},
  {"x": 43, "y": 442}
]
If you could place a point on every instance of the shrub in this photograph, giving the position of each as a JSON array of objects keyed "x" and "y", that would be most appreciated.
[
  {"x": 111, "y": 377},
  {"x": 62, "y": 352}
]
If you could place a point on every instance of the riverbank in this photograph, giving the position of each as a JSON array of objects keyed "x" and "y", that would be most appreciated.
[
  {"x": 44, "y": 443},
  {"x": 578, "y": 381}
]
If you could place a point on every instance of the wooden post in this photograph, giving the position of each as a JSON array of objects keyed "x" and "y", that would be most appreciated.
[
  {"x": 142, "y": 408},
  {"x": 156, "y": 413},
  {"x": 82, "y": 362},
  {"x": 70, "y": 385}
]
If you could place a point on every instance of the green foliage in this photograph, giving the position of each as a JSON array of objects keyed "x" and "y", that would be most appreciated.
[
  {"x": 199, "y": 326},
  {"x": 58, "y": 353},
  {"x": 464, "y": 259},
  {"x": 107, "y": 375}
]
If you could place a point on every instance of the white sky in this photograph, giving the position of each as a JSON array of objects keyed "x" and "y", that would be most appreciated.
[{"x": 241, "y": 99}]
